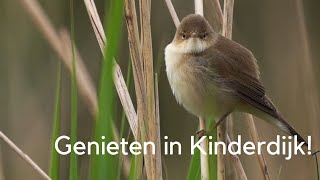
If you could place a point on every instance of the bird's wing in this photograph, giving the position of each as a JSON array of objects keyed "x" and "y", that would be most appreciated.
[{"x": 236, "y": 72}]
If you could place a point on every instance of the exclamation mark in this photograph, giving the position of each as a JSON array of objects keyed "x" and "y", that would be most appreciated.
[{"x": 309, "y": 145}]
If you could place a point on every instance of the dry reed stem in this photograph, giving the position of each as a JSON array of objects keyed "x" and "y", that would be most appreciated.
[
  {"x": 308, "y": 75},
  {"x": 153, "y": 171},
  {"x": 96, "y": 23},
  {"x": 221, "y": 130},
  {"x": 204, "y": 161},
  {"x": 218, "y": 11},
  {"x": 137, "y": 66},
  {"x": 237, "y": 164},
  {"x": 135, "y": 52},
  {"x": 213, "y": 13},
  {"x": 24, "y": 156},
  {"x": 221, "y": 137},
  {"x": 1, "y": 166},
  {"x": 158, "y": 142},
  {"x": 255, "y": 138},
  {"x": 120, "y": 85},
  {"x": 147, "y": 61},
  {"x": 198, "y": 6},
  {"x": 227, "y": 18},
  {"x": 173, "y": 13}
]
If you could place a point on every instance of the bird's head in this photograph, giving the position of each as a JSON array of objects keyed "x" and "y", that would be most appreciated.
[{"x": 194, "y": 34}]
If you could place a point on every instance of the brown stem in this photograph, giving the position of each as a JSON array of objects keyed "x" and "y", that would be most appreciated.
[
  {"x": 254, "y": 137},
  {"x": 24, "y": 156}
]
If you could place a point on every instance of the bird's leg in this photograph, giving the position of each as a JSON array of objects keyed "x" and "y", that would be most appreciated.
[
  {"x": 221, "y": 119},
  {"x": 203, "y": 132}
]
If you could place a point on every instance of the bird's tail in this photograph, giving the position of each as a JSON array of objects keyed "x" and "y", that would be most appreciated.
[{"x": 280, "y": 123}]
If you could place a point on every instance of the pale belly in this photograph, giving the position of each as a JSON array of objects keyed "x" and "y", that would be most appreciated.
[{"x": 200, "y": 99}]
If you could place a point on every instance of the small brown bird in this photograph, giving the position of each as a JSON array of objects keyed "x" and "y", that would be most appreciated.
[{"x": 212, "y": 76}]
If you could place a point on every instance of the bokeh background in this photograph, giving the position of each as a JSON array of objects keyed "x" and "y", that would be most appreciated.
[{"x": 283, "y": 35}]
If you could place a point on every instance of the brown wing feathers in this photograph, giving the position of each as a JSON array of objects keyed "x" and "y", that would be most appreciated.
[{"x": 240, "y": 74}]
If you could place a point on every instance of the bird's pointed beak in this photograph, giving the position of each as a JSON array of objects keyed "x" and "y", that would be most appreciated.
[{"x": 193, "y": 35}]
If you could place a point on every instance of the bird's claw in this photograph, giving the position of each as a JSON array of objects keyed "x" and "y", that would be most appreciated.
[{"x": 201, "y": 133}]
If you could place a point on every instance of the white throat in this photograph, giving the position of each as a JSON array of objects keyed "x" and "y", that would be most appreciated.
[{"x": 191, "y": 45}]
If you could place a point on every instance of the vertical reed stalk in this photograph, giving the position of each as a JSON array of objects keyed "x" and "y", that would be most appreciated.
[
  {"x": 254, "y": 136},
  {"x": 237, "y": 164},
  {"x": 198, "y": 5},
  {"x": 227, "y": 32},
  {"x": 147, "y": 59},
  {"x": 55, "y": 156},
  {"x": 135, "y": 54},
  {"x": 158, "y": 140},
  {"x": 308, "y": 75},
  {"x": 204, "y": 157},
  {"x": 173, "y": 13},
  {"x": 73, "y": 170},
  {"x": 1, "y": 166}
]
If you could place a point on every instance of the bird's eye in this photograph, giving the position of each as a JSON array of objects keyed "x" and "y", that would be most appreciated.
[
  {"x": 205, "y": 35},
  {"x": 184, "y": 36}
]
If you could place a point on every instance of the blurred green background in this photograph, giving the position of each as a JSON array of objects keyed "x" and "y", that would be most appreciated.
[{"x": 284, "y": 41}]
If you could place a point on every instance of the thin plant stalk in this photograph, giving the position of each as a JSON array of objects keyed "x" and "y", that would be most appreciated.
[
  {"x": 237, "y": 164},
  {"x": 54, "y": 162},
  {"x": 255, "y": 139},
  {"x": 1, "y": 166},
  {"x": 173, "y": 13},
  {"x": 213, "y": 11},
  {"x": 222, "y": 129},
  {"x": 73, "y": 174},
  {"x": 123, "y": 115},
  {"x": 198, "y": 7},
  {"x": 123, "y": 120},
  {"x": 158, "y": 139},
  {"x": 308, "y": 74},
  {"x": 24, "y": 156},
  {"x": 151, "y": 162},
  {"x": 136, "y": 59},
  {"x": 204, "y": 157},
  {"x": 198, "y": 4}
]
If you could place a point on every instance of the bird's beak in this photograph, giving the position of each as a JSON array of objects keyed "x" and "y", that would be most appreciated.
[{"x": 193, "y": 35}]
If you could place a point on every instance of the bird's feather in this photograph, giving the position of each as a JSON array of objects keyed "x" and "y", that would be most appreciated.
[{"x": 236, "y": 72}]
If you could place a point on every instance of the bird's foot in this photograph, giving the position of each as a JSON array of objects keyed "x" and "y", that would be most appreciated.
[{"x": 201, "y": 133}]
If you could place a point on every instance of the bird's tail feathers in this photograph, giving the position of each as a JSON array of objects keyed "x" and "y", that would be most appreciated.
[{"x": 281, "y": 124}]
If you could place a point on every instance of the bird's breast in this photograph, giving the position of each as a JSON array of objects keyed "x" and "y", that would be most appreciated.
[{"x": 187, "y": 90}]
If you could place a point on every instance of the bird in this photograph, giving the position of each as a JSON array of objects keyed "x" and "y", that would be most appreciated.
[{"x": 212, "y": 76}]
